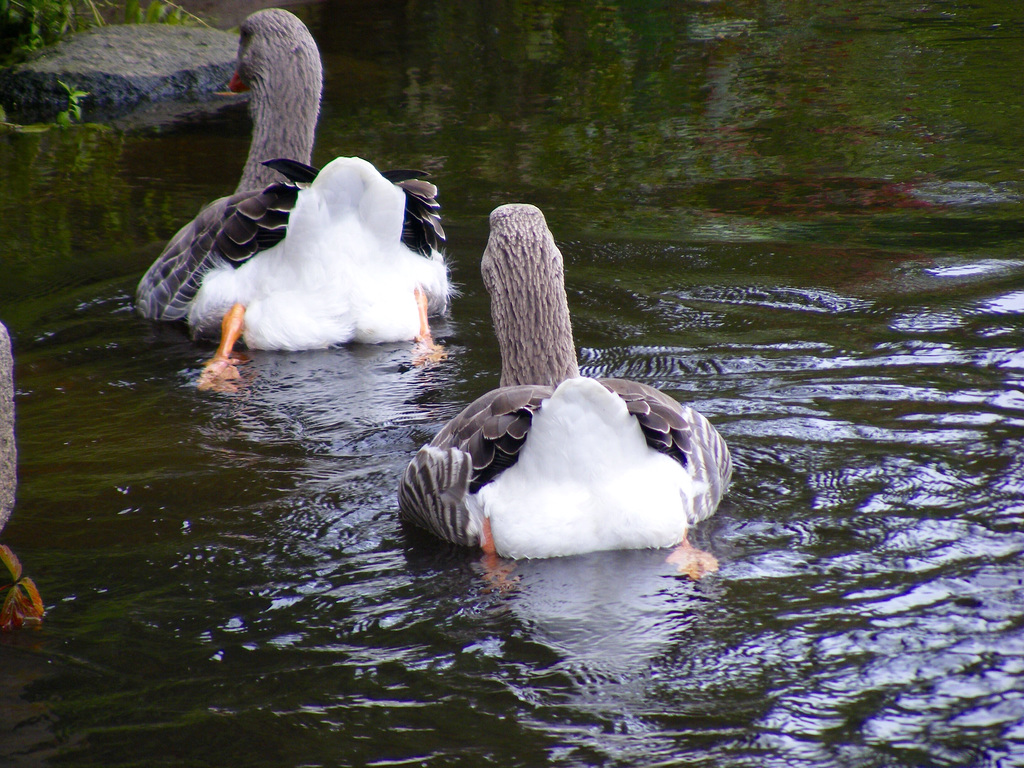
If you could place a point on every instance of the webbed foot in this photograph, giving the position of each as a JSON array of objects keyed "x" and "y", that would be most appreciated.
[{"x": 695, "y": 563}]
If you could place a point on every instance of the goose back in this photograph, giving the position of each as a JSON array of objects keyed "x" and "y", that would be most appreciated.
[
  {"x": 486, "y": 438},
  {"x": 233, "y": 229}
]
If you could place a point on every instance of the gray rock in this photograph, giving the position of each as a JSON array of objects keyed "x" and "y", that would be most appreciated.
[
  {"x": 121, "y": 67},
  {"x": 8, "y": 452}
]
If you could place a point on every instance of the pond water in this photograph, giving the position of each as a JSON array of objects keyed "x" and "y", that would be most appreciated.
[{"x": 802, "y": 217}]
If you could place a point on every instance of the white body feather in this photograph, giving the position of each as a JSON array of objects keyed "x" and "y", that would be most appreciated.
[
  {"x": 585, "y": 481},
  {"x": 341, "y": 274}
]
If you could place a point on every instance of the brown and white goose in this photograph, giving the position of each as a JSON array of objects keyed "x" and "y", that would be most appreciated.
[
  {"x": 299, "y": 258},
  {"x": 552, "y": 463}
]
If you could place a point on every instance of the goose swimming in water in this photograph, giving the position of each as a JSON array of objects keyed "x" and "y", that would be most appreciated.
[
  {"x": 299, "y": 258},
  {"x": 552, "y": 463}
]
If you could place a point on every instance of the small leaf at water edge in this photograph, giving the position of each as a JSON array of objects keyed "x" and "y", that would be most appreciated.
[
  {"x": 10, "y": 618},
  {"x": 9, "y": 559},
  {"x": 21, "y": 606},
  {"x": 34, "y": 597},
  {"x": 22, "y": 603}
]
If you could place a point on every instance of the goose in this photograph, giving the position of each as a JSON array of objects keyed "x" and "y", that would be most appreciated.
[
  {"x": 553, "y": 463},
  {"x": 298, "y": 257}
]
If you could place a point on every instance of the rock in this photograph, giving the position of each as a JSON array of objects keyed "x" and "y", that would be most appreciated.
[
  {"x": 8, "y": 452},
  {"x": 121, "y": 67}
]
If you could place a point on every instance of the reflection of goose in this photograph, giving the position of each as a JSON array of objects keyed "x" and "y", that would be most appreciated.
[
  {"x": 324, "y": 258},
  {"x": 553, "y": 463},
  {"x": 606, "y": 614}
]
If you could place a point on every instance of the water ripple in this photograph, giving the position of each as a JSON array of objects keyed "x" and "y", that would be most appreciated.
[{"x": 780, "y": 297}]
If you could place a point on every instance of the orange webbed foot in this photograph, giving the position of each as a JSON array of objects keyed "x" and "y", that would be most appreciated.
[
  {"x": 427, "y": 352},
  {"x": 695, "y": 563},
  {"x": 220, "y": 374},
  {"x": 498, "y": 573}
]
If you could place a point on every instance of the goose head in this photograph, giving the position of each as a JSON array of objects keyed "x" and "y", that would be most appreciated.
[
  {"x": 524, "y": 275},
  {"x": 279, "y": 63}
]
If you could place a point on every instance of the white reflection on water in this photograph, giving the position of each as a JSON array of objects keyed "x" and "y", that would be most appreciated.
[
  {"x": 330, "y": 400},
  {"x": 982, "y": 268},
  {"x": 607, "y": 613},
  {"x": 1008, "y": 304},
  {"x": 968, "y": 193}
]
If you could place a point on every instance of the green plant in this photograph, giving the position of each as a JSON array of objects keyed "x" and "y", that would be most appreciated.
[
  {"x": 158, "y": 12},
  {"x": 73, "y": 114},
  {"x": 27, "y": 25},
  {"x": 22, "y": 604}
]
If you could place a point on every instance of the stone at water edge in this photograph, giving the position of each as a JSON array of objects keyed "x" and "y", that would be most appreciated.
[{"x": 121, "y": 67}]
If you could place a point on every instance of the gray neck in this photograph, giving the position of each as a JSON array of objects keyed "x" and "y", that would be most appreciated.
[
  {"x": 523, "y": 272},
  {"x": 284, "y": 106}
]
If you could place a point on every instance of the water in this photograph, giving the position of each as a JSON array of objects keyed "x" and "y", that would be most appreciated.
[{"x": 803, "y": 218}]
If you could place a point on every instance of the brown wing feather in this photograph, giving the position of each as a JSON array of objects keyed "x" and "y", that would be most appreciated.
[
  {"x": 470, "y": 451},
  {"x": 682, "y": 433},
  {"x": 233, "y": 228},
  {"x": 433, "y": 491}
]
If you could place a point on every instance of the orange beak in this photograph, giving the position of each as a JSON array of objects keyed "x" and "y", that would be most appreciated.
[{"x": 236, "y": 84}]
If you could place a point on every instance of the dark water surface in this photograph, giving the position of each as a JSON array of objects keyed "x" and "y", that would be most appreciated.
[{"x": 802, "y": 217}]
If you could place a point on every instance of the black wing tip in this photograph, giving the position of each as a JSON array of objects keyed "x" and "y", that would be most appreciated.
[
  {"x": 293, "y": 170},
  {"x": 422, "y": 232},
  {"x": 403, "y": 174}
]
